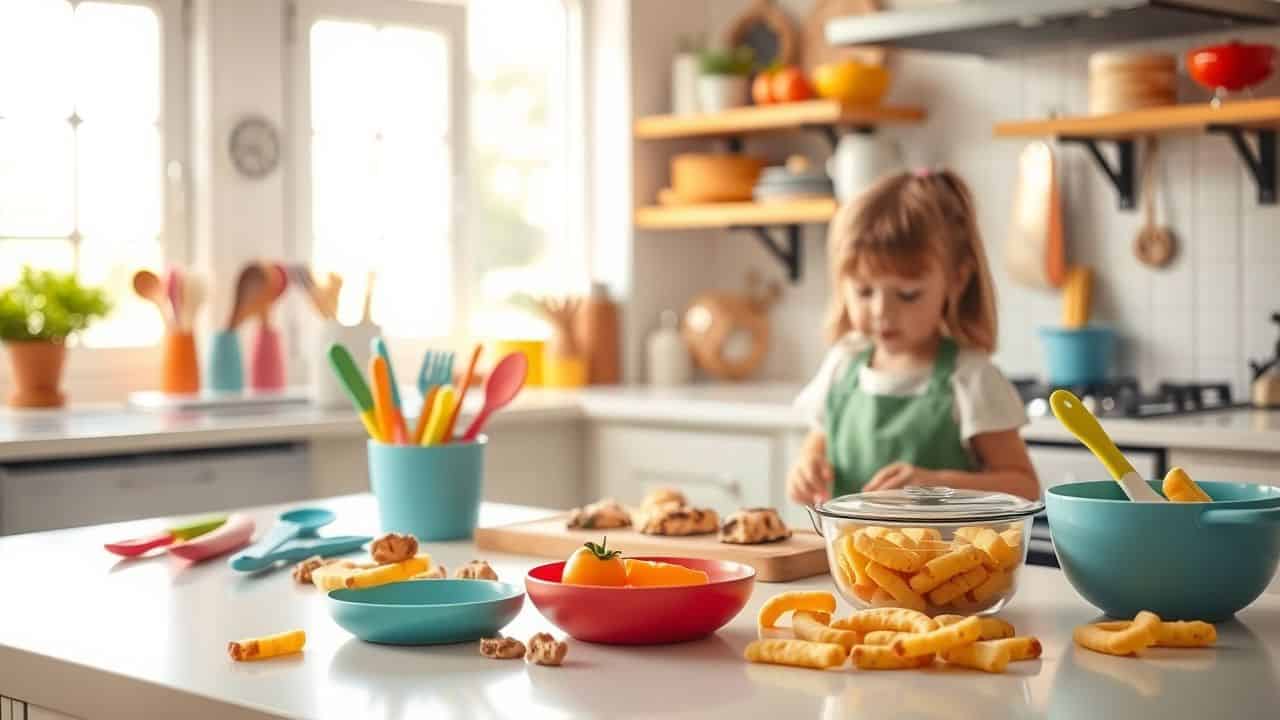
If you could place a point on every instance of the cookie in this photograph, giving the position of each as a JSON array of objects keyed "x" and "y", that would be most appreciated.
[
  {"x": 662, "y": 498},
  {"x": 753, "y": 526},
  {"x": 600, "y": 515},
  {"x": 671, "y": 520}
]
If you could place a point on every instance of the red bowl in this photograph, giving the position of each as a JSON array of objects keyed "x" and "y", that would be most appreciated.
[
  {"x": 643, "y": 615},
  {"x": 1234, "y": 66}
]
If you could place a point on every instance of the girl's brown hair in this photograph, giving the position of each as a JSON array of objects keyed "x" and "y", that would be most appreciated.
[{"x": 899, "y": 226}]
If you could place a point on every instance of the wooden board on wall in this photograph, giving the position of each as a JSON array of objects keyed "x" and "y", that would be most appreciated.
[{"x": 802, "y": 555}]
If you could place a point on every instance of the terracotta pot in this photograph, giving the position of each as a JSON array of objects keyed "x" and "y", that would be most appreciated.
[{"x": 37, "y": 372}]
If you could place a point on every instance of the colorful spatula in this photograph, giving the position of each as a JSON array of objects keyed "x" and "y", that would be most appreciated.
[
  {"x": 345, "y": 366},
  {"x": 137, "y": 546}
]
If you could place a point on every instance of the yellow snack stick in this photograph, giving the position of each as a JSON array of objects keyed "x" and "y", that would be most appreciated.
[
  {"x": 897, "y": 619},
  {"x": 999, "y": 555},
  {"x": 967, "y": 534},
  {"x": 887, "y": 554},
  {"x": 776, "y": 606},
  {"x": 882, "y": 599},
  {"x": 881, "y": 637},
  {"x": 857, "y": 561},
  {"x": 843, "y": 574},
  {"x": 997, "y": 582},
  {"x": 1183, "y": 633},
  {"x": 814, "y": 627},
  {"x": 285, "y": 643},
  {"x": 1020, "y": 648},
  {"x": 1138, "y": 636},
  {"x": 1012, "y": 537},
  {"x": 392, "y": 572},
  {"x": 893, "y": 584},
  {"x": 986, "y": 656},
  {"x": 920, "y": 534},
  {"x": 874, "y": 531},
  {"x": 1179, "y": 487},
  {"x": 941, "y": 569},
  {"x": 796, "y": 653},
  {"x": 958, "y": 586},
  {"x": 965, "y": 632},
  {"x": 880, "y": 657},
  {"x": 867, "y": 593},
  {"x": 901, "y": 540},
  {"x": 992, "y": 628},
  {"x": 332, "y": 577}
]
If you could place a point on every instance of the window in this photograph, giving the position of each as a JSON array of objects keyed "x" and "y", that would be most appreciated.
[
  {"x": 446, "y": 173},
  {"x": 83, "y": 149}
]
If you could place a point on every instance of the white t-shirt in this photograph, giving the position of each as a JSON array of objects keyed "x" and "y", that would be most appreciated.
[{"x": 985, "y": 401}]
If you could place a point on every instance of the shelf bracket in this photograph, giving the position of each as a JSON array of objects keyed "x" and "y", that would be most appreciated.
[
  {"x": 1261, "y": 166},
  {"x": 787, "y": 250},
  {"x": 1123, "y": 176}
]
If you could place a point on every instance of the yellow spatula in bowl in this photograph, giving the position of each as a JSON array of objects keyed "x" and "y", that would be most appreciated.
[{"x": 1076, "y": 417}]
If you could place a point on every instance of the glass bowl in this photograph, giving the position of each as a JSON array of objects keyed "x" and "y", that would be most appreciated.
[{"x": 934, "y": 549}]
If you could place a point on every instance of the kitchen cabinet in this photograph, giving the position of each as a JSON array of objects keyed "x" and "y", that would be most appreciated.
[{"x": 1250, "y": 467}]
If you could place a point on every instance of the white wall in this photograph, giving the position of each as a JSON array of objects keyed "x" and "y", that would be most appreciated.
[{"x": 1204, "y": 317}]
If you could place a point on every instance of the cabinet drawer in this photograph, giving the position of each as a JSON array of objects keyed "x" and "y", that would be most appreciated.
[{"x": 717, "y": 470}]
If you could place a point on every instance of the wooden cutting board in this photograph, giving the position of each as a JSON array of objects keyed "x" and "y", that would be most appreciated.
[{"x": 802, "y": 555}]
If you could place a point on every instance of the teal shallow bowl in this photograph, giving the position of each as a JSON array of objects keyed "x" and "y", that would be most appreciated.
[
  {"x": 427, "y": 612},
  {"x": 1182, "y": 561}
]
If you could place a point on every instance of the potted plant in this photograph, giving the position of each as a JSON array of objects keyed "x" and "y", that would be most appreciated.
[
  {"x": 36, "y": 316},
  {"x": 722, "y": 83}
]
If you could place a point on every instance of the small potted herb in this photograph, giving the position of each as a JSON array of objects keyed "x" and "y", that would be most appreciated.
[
  {"x": 36, "y": 316},
  {"x": 722, "y": 82}
]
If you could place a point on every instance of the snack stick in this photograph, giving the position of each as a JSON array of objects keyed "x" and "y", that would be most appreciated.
[
  {"x": 986, "y": 656},
  {"x": 1179, "y": 487},
  {"x": 813, "y": 627},
  {"x": 967, "y": 534},
  {"x": 958, "y": 585},
  {"x": 383, "y": 574},
  {"x": 881, "y": 637},
  {"x": 898, "y": 619},
  {"x": 882, "y": 599},
  {"x": 992, "y": 628},
  {"x": 332, "y": 577},
  {"x": 285, "y": 643},
  {"x": 777, "y": 605},
  {"x": 880, "y": 657},
  {"x": 997, "y": 582},
  {"x": 999, "y": 555},
  {"x": 1183, "y": 633},
  {"x": 1139, "y": 635},
  {"x": 874, "y": 531},
  {"x": 1012, "y": 537},
  {"x": 1020, "y": 648},
  {"x": 843, "y": 573},
  {"x": 939, "y": 570},
  {"x": 797, "y": 653},
  {"x": 893, "y": 584},
  {"x": 866, "y": 593},
  {"x": 901, "y": 540},
  {"x": 887, "y": 554},
  {"x": 965, "y": 632},
  {"x": 919, "y": 534},
  {"x": 856, "y": 560}
]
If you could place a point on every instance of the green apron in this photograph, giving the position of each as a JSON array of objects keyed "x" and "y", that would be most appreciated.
[{"x": 866, "y": 432}]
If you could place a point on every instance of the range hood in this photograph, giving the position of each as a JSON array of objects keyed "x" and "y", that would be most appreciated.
[{"x": 1003, "y": 27}]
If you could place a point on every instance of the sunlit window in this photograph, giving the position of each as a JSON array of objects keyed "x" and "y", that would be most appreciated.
[{"x": 80, "y": 150}]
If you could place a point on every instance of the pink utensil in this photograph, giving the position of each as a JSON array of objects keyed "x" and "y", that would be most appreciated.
[
  {"x": 503, "y": 384},
  {"x": 234, "y": 535},
  {"x": 138, "y": 546},
  {"x": 173, "y": 289}
]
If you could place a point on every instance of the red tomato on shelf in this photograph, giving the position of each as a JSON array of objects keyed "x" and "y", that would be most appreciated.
[
  {"x": 789, "y": 85},
  {"x": 1234, "y": 66},
  {"x": 761, "y": 88}
]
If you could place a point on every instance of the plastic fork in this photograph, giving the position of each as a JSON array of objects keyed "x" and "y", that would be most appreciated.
[{"x": 436, "y": 371}]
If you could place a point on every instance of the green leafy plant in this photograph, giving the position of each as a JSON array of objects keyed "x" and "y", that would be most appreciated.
[
  {"x": 738, "y": 61},
  {"x": 48, "y": 305}
]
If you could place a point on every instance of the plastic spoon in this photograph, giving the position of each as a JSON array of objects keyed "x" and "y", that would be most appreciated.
[
  {"x": 290, "y": 525},
  {"x": 137, "y": 546},
  {"x": 1076, "y": 417},
  {"x": 504, "y": 383},
  {"x": 173, "y": 290},
  {"x": 148, "y": 286}
]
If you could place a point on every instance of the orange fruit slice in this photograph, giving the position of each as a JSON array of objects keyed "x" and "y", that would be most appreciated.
[{"x": 649, "y": 573}]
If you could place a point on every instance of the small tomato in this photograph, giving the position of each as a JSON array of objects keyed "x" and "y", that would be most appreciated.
[
  {"x": 761, "y": 91},
  {"x": 592, "y": 564},
  {"x": 789, "y": 85}
]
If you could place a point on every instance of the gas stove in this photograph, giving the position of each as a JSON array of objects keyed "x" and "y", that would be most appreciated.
[{"x": 1124, "y": 397}]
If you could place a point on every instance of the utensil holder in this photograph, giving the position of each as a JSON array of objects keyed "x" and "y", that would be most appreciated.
[
  {"x": 433, "y": 492},
  {"x": 1078, "y": 356},
  {"x": 225, "y": 367},
  {"x": 266, "y": 364},
  {"x": 326, "y": 389},
  {"x": 180, "y": 371}
]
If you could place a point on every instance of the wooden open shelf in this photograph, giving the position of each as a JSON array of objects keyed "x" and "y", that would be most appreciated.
[
  {"x": 1153, "y": 121},
  {"x": 765, "y": 118},
  {"x": 735, "y": 214}
]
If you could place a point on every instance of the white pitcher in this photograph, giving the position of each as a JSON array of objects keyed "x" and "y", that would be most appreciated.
[{"x": 859, "y": 160}]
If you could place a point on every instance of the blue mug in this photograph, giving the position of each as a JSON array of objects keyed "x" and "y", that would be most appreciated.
[
  {"x": 226, "y": 370},
  {"x": 433, "y": 492}
]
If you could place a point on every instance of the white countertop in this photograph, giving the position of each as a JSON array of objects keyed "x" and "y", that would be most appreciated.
[
  {"x": 90, "y": 635},
  {"x": 753, "y": 407}
]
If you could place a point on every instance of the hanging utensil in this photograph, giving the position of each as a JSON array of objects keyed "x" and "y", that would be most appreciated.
[
  {"x": 251, "y": 290},
  {"x": 1155, "y": 245},
  {"x": 147, "y": 285}
]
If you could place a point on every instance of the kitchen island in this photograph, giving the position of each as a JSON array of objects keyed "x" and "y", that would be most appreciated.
[{"x": 85, "y": 634}]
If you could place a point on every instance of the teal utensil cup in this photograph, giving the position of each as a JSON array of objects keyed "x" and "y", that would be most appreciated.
[
  {"x": 427, "y": 612},
  {"x": 1078, "y": 356},
  {"x": 1182, "y": 561},
  {"x": 433, "y": 492},
  {"x": 226, "y": 369}
]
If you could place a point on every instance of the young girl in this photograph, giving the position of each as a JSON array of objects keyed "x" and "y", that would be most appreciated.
[{"x": 907, "y": 394}]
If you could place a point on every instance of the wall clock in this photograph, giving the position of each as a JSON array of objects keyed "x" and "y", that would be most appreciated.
[{"x": 255, "y": 147}]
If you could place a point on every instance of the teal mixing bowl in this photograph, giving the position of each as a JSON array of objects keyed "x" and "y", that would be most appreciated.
[
  {"x": 427, "y": 612},
  {"x": 1182, "y": 561}
]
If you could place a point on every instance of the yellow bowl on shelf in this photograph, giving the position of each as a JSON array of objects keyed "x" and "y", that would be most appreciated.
[
  {"x": 851, "y": 82},
  {"x": 532, "y": 351},
  {"x": 563, "y": 371}
]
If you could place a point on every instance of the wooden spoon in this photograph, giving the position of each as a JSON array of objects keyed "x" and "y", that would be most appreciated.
[
  {"x": 251, "y": 291},
  {"x": 1155, "y": 245},
  {"x": 278, "y": 276},
  {"x": 148, "y": 287}
]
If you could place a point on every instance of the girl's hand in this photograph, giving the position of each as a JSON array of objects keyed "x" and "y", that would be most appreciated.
[
  {"x": 900, "y": 474},
  {"x": 810, "y": 479}
]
